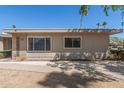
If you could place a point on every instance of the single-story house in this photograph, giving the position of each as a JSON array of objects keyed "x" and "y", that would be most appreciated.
[{"x": 55, "y": 44}]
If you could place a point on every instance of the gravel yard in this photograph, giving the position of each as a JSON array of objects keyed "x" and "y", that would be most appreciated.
[
  {"x": 69, "y": 74},
  {"x": 26, "y": 79}
]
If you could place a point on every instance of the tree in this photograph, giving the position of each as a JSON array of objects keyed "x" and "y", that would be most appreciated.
[
  {"x": 122, "y": 23},
  {"x": 116, "y": 40},
  {"x": 83, "y": 12},
  {"x": 106, "y": 8},
  {"x": 101, "y": 24},
  {"x": 104, "y": 24},
  {"x": 14, "y": 27},
  {"x": 98, "y": 25}
]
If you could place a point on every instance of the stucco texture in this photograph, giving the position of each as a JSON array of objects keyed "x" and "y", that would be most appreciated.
[{"x": 93, "y": 45}]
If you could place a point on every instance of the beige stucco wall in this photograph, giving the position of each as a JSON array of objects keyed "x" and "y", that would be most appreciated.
[
  {"x": 92, "y": 44},
  {"x": 7, "y": 43},
  {"x": 1, "y": 44}
]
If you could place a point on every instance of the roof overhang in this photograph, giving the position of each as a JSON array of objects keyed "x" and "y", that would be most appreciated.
[
  {"x": 6, "y": 35},
  {"x": 54, "y": 30}
]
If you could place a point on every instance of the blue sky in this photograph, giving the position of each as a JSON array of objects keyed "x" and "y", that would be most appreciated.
[{"x": 55, "y": 17}]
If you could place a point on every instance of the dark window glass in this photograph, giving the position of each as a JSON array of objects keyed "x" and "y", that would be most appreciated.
[
  {"x": 68, "y": 42},
  {"x": 47, "y": 44},
  {"x": 72, "y": 42},
  {"x": 39, "y": 44},
  {"x": 76, "y": 42},
  {"x": 30, "y": 44}
]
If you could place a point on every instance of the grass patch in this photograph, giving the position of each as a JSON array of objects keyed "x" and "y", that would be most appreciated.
[{"x": 5, "y": 53}]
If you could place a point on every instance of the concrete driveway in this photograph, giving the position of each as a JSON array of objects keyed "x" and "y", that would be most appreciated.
[{"x": 111, "y": 70}]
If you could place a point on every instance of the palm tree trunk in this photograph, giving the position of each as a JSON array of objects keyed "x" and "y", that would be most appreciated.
[
  {"x": 81, "y": 21},
  {"x": 123, "y": 43},
  {"x": 122, "y": 17},
  {"x": 122, "y": 21}
]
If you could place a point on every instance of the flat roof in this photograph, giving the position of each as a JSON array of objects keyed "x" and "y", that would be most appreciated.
[
  {"x": 6, "y": 35},
  {"x": 61, "y": 30}
]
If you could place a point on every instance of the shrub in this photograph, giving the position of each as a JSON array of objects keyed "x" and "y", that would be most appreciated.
[
  {"x": 1, "y": 55},
  {"x": 5, "y": 53},
  {"x": 117, "y": 54}
]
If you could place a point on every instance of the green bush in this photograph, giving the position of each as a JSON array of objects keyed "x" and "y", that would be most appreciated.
[
  {"x": 5, "y": 53},
  {"x": 118, "y": 54},
  {"x": 1, "y": 55}
]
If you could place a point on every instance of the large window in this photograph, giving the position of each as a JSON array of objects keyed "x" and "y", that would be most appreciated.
[
  {"x": 39, "y": 44},
  {"x": 72, "y": 42}
]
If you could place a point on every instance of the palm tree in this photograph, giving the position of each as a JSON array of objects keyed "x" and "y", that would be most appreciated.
[
  {"x": 104, "y": 24},
  {"x": 83, "y": 12},
  {"x": 14, "y": 27},
  {"x": 106, "y": 8},
  {"x": 98, "y": 25},
  {"x": 122, "y": 23}
]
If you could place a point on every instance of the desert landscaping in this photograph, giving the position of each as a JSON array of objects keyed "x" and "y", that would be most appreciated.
[
  {"x": 25, "y": 79},
  {"x": 59, "y": 74}
]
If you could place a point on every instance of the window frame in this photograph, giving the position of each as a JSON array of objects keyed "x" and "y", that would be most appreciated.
[
  {"x": 72, "y": 47},
  {"x": 45, "y": 43}
]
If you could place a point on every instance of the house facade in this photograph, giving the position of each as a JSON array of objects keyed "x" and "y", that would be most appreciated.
[
  {"x": 57, "y": 44},
  {"x": 5, "y": 42}
]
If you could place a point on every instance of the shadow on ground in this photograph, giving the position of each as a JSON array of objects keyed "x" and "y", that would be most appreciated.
[
  {"x": 115, "y": 68},
  {"x": 84, "y": 78}
]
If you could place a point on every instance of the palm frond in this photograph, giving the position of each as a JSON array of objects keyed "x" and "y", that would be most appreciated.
[
  {"x": 106, "y": 8},
  {"x": 84, "y": 9}
]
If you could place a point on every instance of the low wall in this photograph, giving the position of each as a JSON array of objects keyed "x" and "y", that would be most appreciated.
[{"x": 59, "y": 56}]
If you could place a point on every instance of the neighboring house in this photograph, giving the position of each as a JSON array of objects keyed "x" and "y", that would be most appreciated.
[
  {"x": 5, "y": 41},
  {"x": 55, "y": 44},
  {"x": 1, "y": 43}
]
